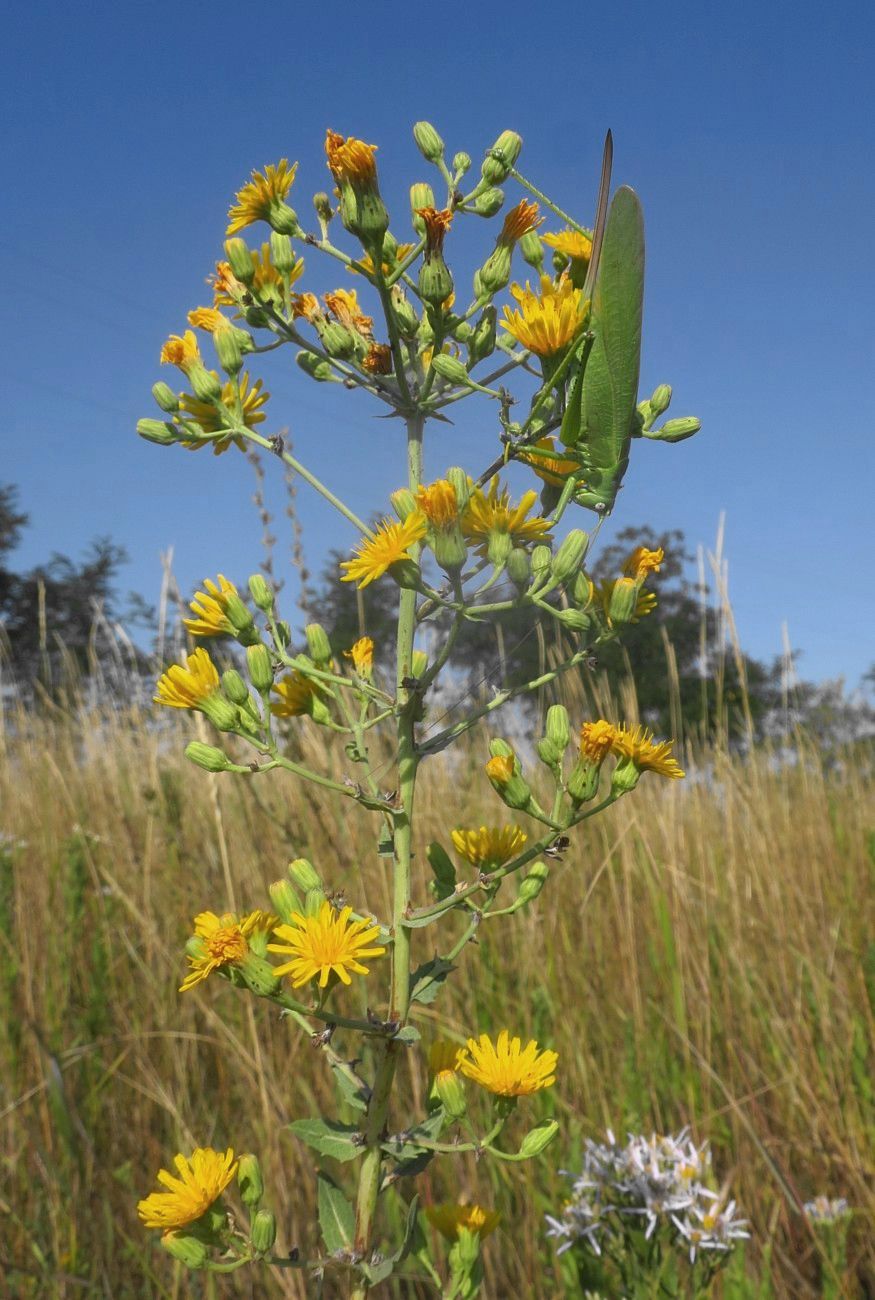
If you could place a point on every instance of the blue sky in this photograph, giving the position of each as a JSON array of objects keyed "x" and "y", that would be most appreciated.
[{"x": 747, "y": 131}]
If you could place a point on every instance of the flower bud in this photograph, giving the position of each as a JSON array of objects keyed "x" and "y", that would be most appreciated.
[
  {"x": 403, "y": 312},
  {"x": 337, "y": 340},
  {"x": 262, "y": 1231},
  {"x": 461, "y": 163},
  {"x": 624, "y": 598},
  {"x": 569, "y": 557},
  {"x": 558, "y": 727},
  {"x": 281, "y": 253},
  {"x": 487, "y": 203},
  {"x": 482, "y": 342},
  {"x": 322, "y": 204},
  {"x": 418, "y": 663},
  {"x": 518, "y": 569},
  {"x": 676, "y": 430},
  {"x": 204, "y": 384},
  {"x": 532, "y": 884},
  {"x": 501, "y": 157},
  {"x": 581, "y": 589},
  {"x": 240, "y": 260},
  {"x": 450, "y": 368},
  {"x": 495, "y": 271},
  {"x": 505, "y": 775},
  {"x": 261, "y": 593},
  {"x": 574, "y": 619},
  {"x": 260, "y": 667},
  {"x": 304, "y": 875},
  {"x": 318, "y": 645},
  {"x": 250, "y": 1180},
  {"x": 458, "y": 480},
  {"x": 208, "y": 757},
  {"x": 407, "y": 574},
  {"x": 428, "y": 142},
  {"x": 283, "y": 219},
  {"x": 624, "y": 777},
  {"x": 228, "y": 350},
  {"x": 220, "y": 711},
  {"x": 542, "y": 560},
  {"x": 258, "y": 975},
  {"x": 157, "y": 431},
  {"x": 451, "y": 1092},
  {"x": 532, "y": 249},
  {"x": 539, "y": 1138},
  {"x": 316, "y": 367},
  {"x": 435, "y": 280},
  {"x": 284, "y": 900},
  {"x": 583, "y": 783},
  {"x": 234, "y": 687},
  {"x": 403, "y": 503},
  {"x": 190, "y": 1251},
  {"x": 421, "y": 196},
  {"x": 165, "y": 397},
  {"x": 660, "y": 399}
]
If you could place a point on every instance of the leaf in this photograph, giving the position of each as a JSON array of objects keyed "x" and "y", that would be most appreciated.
[
  {"x": 383, "y": 1268},
  {"x": 354, "y": 1093},
  {"x": 408, "y": 1169},
  {"x": 427, "y": 980},
  {"x": 408, "y": 1035},
  {"x": 336, "y": 1215},
  {"x": 328, "y": 1137},
  {"x": 444, "y": 870},
  {"x": 405, "y": 1146},
  {"x": 379, "y": 1271}
]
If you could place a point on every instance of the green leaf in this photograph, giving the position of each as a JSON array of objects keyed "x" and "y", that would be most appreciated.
[
  {"x": 427, "y": 980},
  {"x": 379, "y": 1271},
  {"x": 444, "y": 870},
  {"x": 408, "y": 1035},
  {"x": 405, "y": 1146},
  {"x": 408, "y": 1169},
  {"x": 336, "y": 1215},
  {"x": 354, "y": 1093},
  {"x": 328, "y": 1137}
]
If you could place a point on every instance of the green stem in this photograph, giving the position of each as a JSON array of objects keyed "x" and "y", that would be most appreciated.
[
  {"x": 305, "y": 474},
  {"x": 548, "y": 203}
]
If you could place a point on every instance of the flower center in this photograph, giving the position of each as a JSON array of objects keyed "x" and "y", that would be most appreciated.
[{"x": 227, "y": 944}]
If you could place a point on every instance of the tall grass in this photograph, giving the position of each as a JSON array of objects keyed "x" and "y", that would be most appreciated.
[{"x": 700, "y": 956}]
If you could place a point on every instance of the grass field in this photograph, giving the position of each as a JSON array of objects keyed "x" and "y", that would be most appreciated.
[{"x": 700, "y": 956}]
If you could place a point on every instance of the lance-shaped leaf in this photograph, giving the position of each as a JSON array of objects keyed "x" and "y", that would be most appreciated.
[
  {"x": 610, "y": 383},
  {"x": 328, "y": 1137},
  {"x": 336, "y": 1215}
]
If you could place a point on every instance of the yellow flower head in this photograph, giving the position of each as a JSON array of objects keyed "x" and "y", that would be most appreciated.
[
  {"x": 210, "y": 419},
  {"x": 362, "y": 656},
  {"x": 645, "y": 604},
  {"x": 597, "y": 740},
  {"x": 295, "y": 693},
  {"x": 571, "y": 243},
  {"x": 209, "y": 319},
  {"x": 641, "y": 562},
  {"x": 306, "y": 305},
  {"x": 324, "y": 944},
  {"x": 501, "y": 768},
  {"x": 389, "y": 544},
  {"x": 449, "y": 1219},
  {"x": 258, "y": 196},
  {"x": 350, "y": 159},
  {"x": 638, "y": 747},
  {"x": 344, "y": 307},
  {"x": 437, "y": 223},
  {"x": 507, "y": 1068},
  {"x": 438, "y": 503},
  {"x": 546, "y": 322},
  {"x": 552, "y": 469},
  {"x": 519, "y": 221},
  {"x": 187, "y": 687},
  {"x": 182, "y": 352},
  {"x": 444, "y": 1057},
  {"x": 203, "y": 1176},
  {"x": 489, "y": 846},
  {"x": 225, "y": 941},
  {"x": 493, "y": 513},
  {"x": 366, "y": 262},
  {"x": 378, "y": 360},
  {"x": 209, "y": 608},
  {"x": 227, "y": 289}
]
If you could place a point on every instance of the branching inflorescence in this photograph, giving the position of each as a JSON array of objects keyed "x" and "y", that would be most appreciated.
[{"x": 397, "y": 329}]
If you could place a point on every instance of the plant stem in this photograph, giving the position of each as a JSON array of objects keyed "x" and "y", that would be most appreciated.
[{"x": 305, "y": 474}]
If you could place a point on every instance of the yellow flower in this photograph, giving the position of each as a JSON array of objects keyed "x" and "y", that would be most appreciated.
[
  {"x": 326, "y": 943},
  {"x": 296, "y": 695},
  {"x": 444, "y": 1057},
  {"x": 552, "y": 468},
  {"x": 267, "y": 283},
  {"x": 366, "y": 263},
  {"x": 545, "y": 323},
  {"x": 187, "y": 687},
  {"x": 501, "y": 768},
  {"x": 209, "y": 607},
  {"x": 258, "y": 196},
  {"x": 506, "y": 1068},
  {"x": 210, "y": 418},
  {"x": 639, "y": 749},
  {"x": 209, "y": 319},
  {"x": 641, "y": 562},
  {"x": 362, "y": 656},
  {"x": 227, "y": 289},
  {"x": 182, "y": 352},
  {"x": 344, "y": 307},
  {"x": 645, "y": 604},
  {"x": 389, "y": 544},
  {"x": 438, "y": 503},
  {"x": 449, "y": 1219},
  {"x": 225, "y": 941},
  {"x": 203, "y": 1176},
  {"x": 306, "y": 305},
  {"x": 350, "y": 159},
  {"x": 495, "y": 514},
  {"x": 519, "y": 221},
  {"x": 597, "y": 739},
  {"x": 437, "y": 223},
  {"x": 571, "y": 243},
  {"x": 489, "y": 846}
]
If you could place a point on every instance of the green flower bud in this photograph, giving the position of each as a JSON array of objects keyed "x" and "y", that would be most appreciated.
[
  {"x": 403, "y": 503},
  {"x": 228, "y": 350},
  {"x": 574, "y": 619},
  {"x": 284, "y": 900},
  {"x": 239, "y": 617},
  {"x": 322, "y": 204},
  {"x": 581, "y": 589},
  {"x": 449, "y": 547},
  {"x": 261, "y": 593},
  {"x": 518, "y": 569},
  {"x": 418, "y": 663},
  {"x": 532, "y": 884},
  {"x": 487, "y": 203},
  {"x": 316, "y": 367},
  {"x": 283, "y": 219},
  {"x": 421, "y": 196},
  {"x": 558, "y": 727},
  {"x": 482, "y": 342},
  {"x": 435, "y": 280},
  {"x": 204, "y": 384},
  {"x": 262, "y": 1231},
  {"x": 234, "y": 687},
  {"x": 208, "y": 757},
  {"x": 495, "y": 271},
  {"x": 462, "y": 332},
  {"x": 583, "y": 783},
  {"x": 165, "y": 397},
  {"x": 304, "y": 875},
  {"x": 676, "y": 430},
  {"x": 542, "y": 561},
  {"x": 498, "y": 548},
  {"x": 256, "y": 317},
  {"x": 407, "y": 574},
  {"x": 240, "y": 260},
  {"x": 190, "y": 1251},
  {"x": 337, "y": 340},
  {"x": 624, "y": 599},
  {"x": 458, "y": 480},
  {"x": 505, "y": 775},
  {"x": 624, "y": 777},
  {"x": 157, "y": 431},
  {"x": 569, "y": 557},
  {"x": 281, "y": 253},
  {"x": 450, "y": 368},
  {"x": 258, "y": 975},
  {"x": 221, "y": 712},
  {"x": 532, "y": 249},
  {"x": 501, "y": 157},
  {"x": 451, "y": 1092},
  {"x": 250, "y": 1180},
  {"x": 318, "y": 645},
  {"x": 660, "y": 399},
  {"x": 403, "y": 312},
  {"x": 461, "y": 164},
  {"x": 260, "y": 667},
  {"x": 539, "y": 1138},
  {"x": 428, "y": 142}
]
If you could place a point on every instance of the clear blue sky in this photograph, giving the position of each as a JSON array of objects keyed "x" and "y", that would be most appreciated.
[{"x": 747, "y": 129}]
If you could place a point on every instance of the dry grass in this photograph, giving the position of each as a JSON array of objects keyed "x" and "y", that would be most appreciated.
[{"x": 699, "y": 957}]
